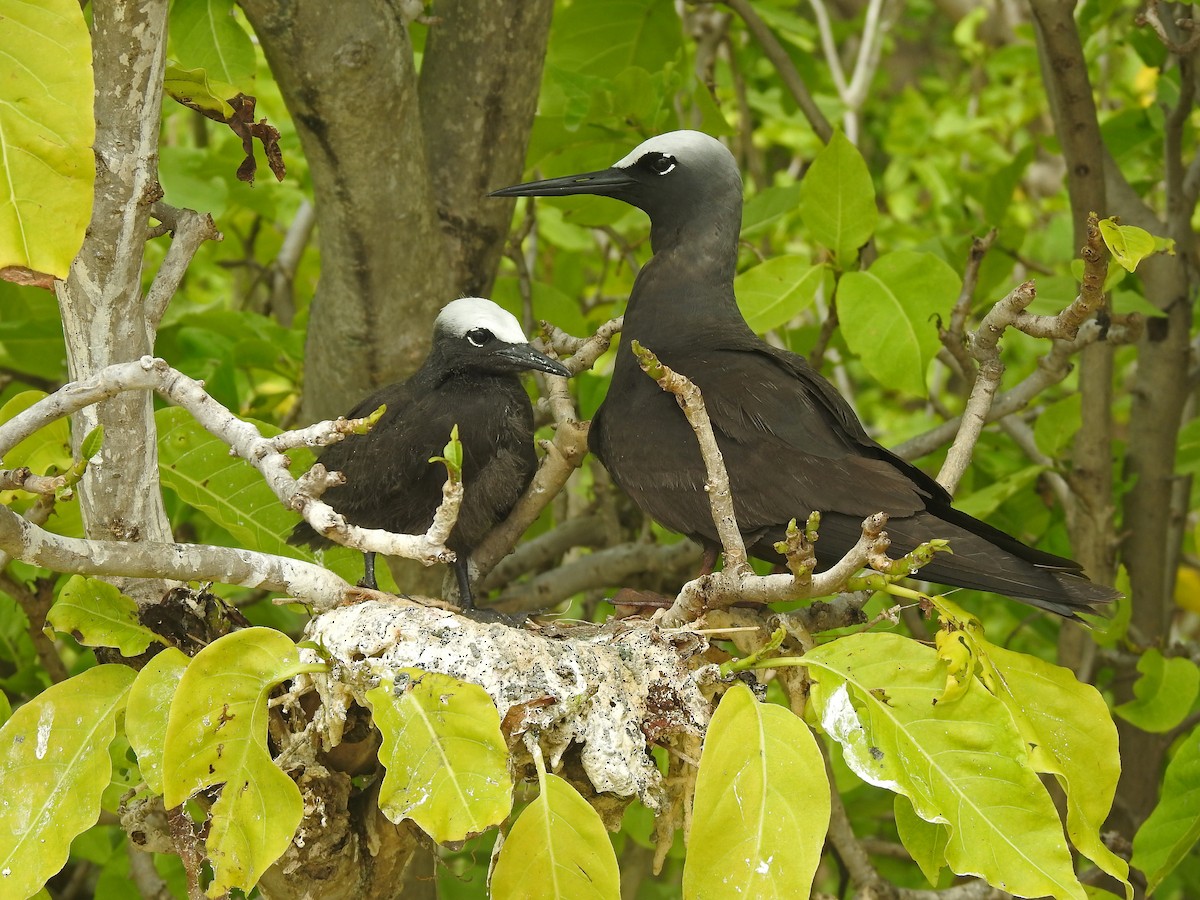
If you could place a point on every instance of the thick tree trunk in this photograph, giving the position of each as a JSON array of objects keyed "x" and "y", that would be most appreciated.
[
  {"x": 400, "y": 170},
  {"x": 101, "y": 302}
]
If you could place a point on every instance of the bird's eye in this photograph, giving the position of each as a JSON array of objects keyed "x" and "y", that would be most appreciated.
[
  {"x": 477, "y": 337},
  {"x": 658, "y": 163}
]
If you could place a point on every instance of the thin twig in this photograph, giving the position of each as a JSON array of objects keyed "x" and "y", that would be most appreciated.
[{"x": 189, "y": 229}]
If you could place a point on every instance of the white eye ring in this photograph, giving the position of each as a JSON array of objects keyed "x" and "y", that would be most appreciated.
[{"x": 477, "y": 337}]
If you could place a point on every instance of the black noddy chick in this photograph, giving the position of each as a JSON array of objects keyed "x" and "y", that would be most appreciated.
[
  {"x": 791, "y": 442},
  {"x": 469, "y": 379}
]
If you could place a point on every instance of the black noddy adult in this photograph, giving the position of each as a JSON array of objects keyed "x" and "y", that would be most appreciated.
[
  {"x": 469, "y": 379},
  {"x": 790, "y": 441}
]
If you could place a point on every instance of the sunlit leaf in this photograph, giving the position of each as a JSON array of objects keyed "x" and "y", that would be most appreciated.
[
  {"x": 217, "y": 735},
  {"x": 99, "y": 615},
  {"x": 774, "y": 292},
  {"x": 889, "y": 315},
  {"x": 837, "y": 200},
  {"x": 46, "y": 131},
  {"x": 446, "y": 760},
  {"x": 558, "y": 849},
  {"x": 1173, "y": 828},
  {"x": 148, "y": 710},
  {"x": 962, "y": 763},
  {"x": 193, "y": 87},
  {"x": 54, "y": 766},
  {"x": 1128, "y": 244},
  {"x": 761, "y": 808}
]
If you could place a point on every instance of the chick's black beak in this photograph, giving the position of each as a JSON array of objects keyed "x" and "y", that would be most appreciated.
[
  {"x": 606, "y": 182},
  {"x": 523, "y": 356}
]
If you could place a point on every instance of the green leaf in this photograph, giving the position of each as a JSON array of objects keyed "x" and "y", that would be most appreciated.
[
  {"x": 837, "y": 200},
  {"x": 446, "y": 760},
  {"x": 961, "y": 763},
  {"x": 193, "y": 87},
  {"x": 46, "y": 131},
  {"x": 1173, "y": 828},
  {"x": 924, "y": 841},
  {"x": 231, "y": 492},
  {"x": 768, "y": 206},
  {"x": 452, "y": 455},
  {"x": 1165, "y": 692},
  {"x": 888, "y": 315},
  {"x": 31, "y": 333},
  {"x": 1056, "y": 425},
  {"x": 983, "y": 503},
  {"x": 773, "y": 293},
  {"x": 54, "y": 764},
  {"x": 1128, "y": 244},
  {"x": 605, "y": 40},
  {"x": 762, "y": 804},
  {"x": 92, "y": 442},
  {"x": 99, "y": 616},
  {"x": 47, "y": 448},
  {"x": 558, "y": 849},
  {"x": 205, "y": 34},
  {"x": 217, "y": 734},
  {"x": 149, "y": 706}
]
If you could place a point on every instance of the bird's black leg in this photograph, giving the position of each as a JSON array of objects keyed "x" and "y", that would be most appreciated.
[
  {"x": 368, "y": 579},
  {"x": 708, "y": 561},
  {"x": 466, "y": 600}
]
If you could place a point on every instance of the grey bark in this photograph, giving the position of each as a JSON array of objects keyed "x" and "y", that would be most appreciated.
[
  {"x": 400, "y": 166},
  {"x": 101, "y": 301}
]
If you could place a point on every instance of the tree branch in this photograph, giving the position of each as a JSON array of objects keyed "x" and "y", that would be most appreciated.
[{"x": 188, "y": 229}]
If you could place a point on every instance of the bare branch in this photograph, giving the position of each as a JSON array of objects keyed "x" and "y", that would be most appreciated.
[
  {"x": 188, "y": 229},
  {"x": 283, "y": 276},
  {"x": 583, "y": 351},
  {"x": 184, "y": 562},
  {"x": 246, "y": 442},
  {"x": 1052, "y": 368},
  {"x": 783, "y": 65}
]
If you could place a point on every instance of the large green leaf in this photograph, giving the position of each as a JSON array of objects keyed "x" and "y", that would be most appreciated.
[
  {"x": 1172, "y": 830},
  {"x": 603, "y": 39},
  {"x": 557, "y": 849},
  {"x": 888, "y": 315},
  {"x": 837, "y": 200},
  {"x": 54, "y": 766},
  {"x": 205, "y": 35},
  {"x": 148, "y": 711},
  {"x": 774, "y": 292},
  {"x": 231, "y": 492},
  {"x": 925, "y": 841},
  {"x": 31, "y": 333},
  {"x": 446, "y": 760},
  {"x": 99, "y": 615},
  {"x": 217, "y": 734},
  {"x": 762, "y": 804},
  {"x": 46, "y": 133},
  {"x": 1164, "y": 694},
  {"x": 961, "y": 763}
]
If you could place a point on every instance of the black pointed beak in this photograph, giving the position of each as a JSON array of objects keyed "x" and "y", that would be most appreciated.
[
  {"x": 606, "y": 182},
  {"x": 523, "y": 356}
]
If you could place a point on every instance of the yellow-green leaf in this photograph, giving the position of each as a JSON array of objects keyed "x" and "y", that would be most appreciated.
[
  {"x": 1128, "y": 244},
  {"x": 46, "y": 131},
  {"x": 217, "y": 735},
  {"x": 558, "y": 849},
  {"x": 762, "y": 804},
  {"x": 774, "y": 292},
  {"x": 99, "y": 616},
  {"x": 54, "y": 766},
  {"x": 962, "y": 763},
  {"x": 149, "y": 706},
  {"x": 193, "y": 87},
  {"x": 205, "y": 33},
  {"x": 924, "y": 841},
  {"x": 446, "y": 760}
]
